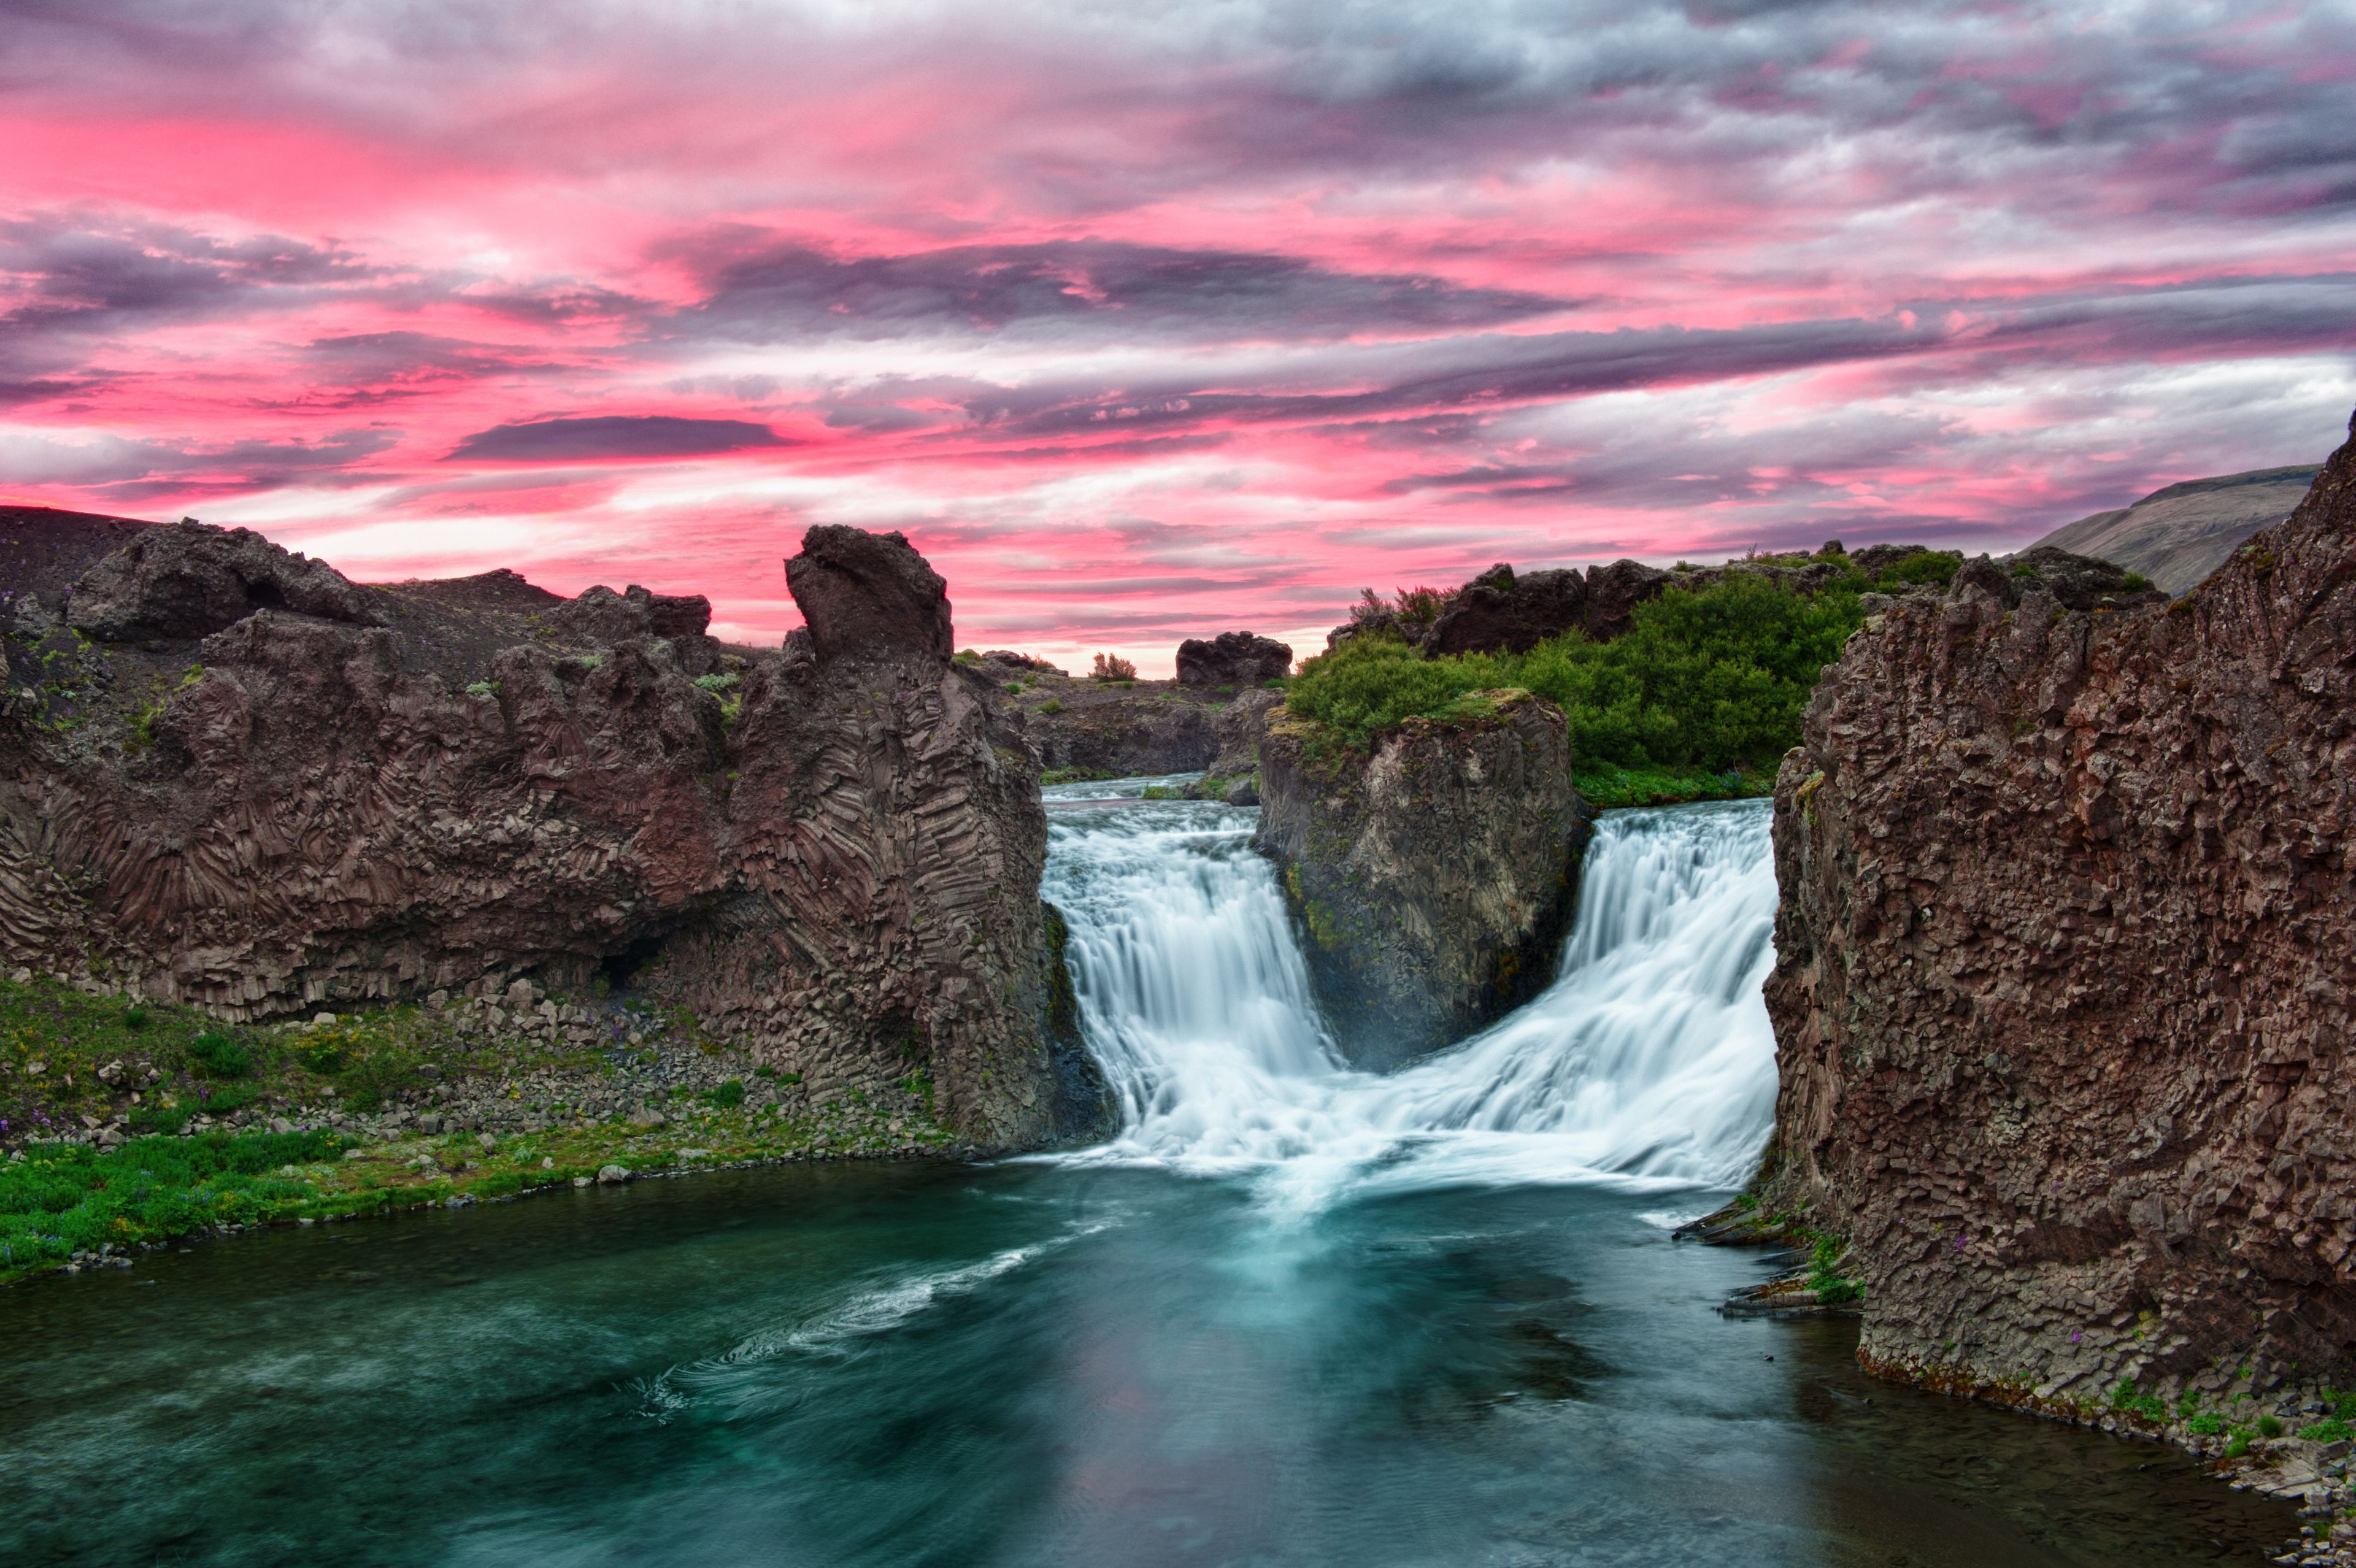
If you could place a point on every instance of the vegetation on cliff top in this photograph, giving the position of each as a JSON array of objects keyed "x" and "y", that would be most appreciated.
[{"x": 1701, "y": 696}]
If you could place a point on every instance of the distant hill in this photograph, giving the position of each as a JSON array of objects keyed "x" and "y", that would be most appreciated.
[{"x": 2180, "y": 535}]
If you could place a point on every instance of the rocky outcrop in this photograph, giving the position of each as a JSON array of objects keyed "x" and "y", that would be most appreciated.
[
  {"x": 833, "y": 854},
  {"x": 2064, "y": 973},
  {"x": 1235, "y": 659},
  {"x": 1434, "y": 877},
  {"x": 1498, "y": 610},
  {"x": 185, "y": 579}
]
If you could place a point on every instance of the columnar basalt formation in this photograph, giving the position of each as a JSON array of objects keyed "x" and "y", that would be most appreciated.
[
  {"x": 1435, "y": 876},
  {"x": 349, "y": 794},
  {"x": 2064, "y": 970}
]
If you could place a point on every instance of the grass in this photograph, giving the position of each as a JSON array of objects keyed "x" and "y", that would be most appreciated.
[
  {"x": 66, "y": 1056},
  {"x": 1700, "y": 698}
]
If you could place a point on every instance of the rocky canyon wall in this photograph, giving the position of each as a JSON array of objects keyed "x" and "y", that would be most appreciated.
[
  {"x": 2065, "y": 959},
  {"x": 230, "y": 777}
]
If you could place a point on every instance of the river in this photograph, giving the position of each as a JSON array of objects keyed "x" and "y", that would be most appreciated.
[{"x": 1293, "y": 1314}]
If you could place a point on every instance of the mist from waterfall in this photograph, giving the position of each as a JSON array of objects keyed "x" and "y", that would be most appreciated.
[{"x": 1648, "y": 1061}]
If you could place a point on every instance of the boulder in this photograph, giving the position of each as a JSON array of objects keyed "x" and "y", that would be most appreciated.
[
  {"x": 1501, "y": 612},
  {"x": 601, "y": 615},
  {"x": 189, "y": 580},
  {"x": 612, "y": 1175},
  {"x": 1232, "y": 658},
  {"x": 868, "y": 595},
  {"x": 1613, "y": 593}
]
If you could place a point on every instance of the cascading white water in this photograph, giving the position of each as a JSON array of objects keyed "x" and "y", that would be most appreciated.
[{"x": 1648, "y": 1060}]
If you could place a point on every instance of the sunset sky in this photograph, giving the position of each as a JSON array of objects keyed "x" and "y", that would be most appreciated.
[{"x": 1151, "y": 320}]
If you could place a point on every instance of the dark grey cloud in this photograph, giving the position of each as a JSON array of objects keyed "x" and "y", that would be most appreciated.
[
  {"x": 766, "y": 292},
  {"x": 612, "y": 436},
  {"x": 2230, "y": 317},
  {"x": 73, "y": 273}
]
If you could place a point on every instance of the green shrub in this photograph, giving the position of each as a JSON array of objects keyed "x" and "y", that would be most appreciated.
[
  {"x": 219, "y": 1055},
  {"x": 1711, "y": 678},
  {"x": 2268, "y": 1426},
  {"x": 765, "y": 1070},
  {"x": 482, "y": 689},
  {"x": 2125, "y": 1396},
  {"x": 370, "y": 1080},
  {"x": 729, "y": 1095},
  {"x": 1052, "y": 705},
  {"x": 2208, "y": 1424},
  {"x": 2332, "y": 1430},
  {"x": 323, "y": 1056},
  {"x": 1824, "y": 1277},
  {"x": 716, "y": 682},
  {"x": 134, "y": 1017}
]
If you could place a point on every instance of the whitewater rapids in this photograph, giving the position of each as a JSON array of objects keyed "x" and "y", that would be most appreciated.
[{"x": 1648, "y": 1062}]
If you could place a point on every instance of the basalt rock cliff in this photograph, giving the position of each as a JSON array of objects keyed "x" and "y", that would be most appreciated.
[
  {"x": 231, "y": 777},
  {"x": 2065, "y": 968},
  {"x": 1435, "y": 878}
]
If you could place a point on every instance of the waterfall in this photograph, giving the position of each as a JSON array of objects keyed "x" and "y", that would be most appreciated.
[{"x": 1648, "y": 1061}]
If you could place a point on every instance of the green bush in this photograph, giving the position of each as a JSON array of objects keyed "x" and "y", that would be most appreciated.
[
  {"x": 324, "y": 1056},
  {"x": 219, "y": 1055},
  {"x": 721, "y": 682},
  {"x": 729, "y": 1095},
  {"x": 2269, "y": 1426},
  {"x": 2208, "y": 1424},
  {"x": 1711, "y": 680},
  {"x": 134, "y": 1017},
  {"x": 2333, "y": 1430},
  {"x": 1052, "y": 706}
]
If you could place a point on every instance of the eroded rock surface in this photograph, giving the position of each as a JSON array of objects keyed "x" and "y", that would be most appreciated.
[
  {"x": 1236, "y": 660},
  {"x": 2064, "y": 973},
  {"x": 1435, "y": 876},
  {"x": 833, "y": 854}
]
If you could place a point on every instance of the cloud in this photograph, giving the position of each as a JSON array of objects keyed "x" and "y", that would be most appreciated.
[
  {"x": 1219, "y": 308},
  {"x": 612, "y": 437},
  {"x": 777, "y": 292}
]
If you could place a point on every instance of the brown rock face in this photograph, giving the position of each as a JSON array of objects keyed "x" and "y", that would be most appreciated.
[
  {"x": 1435, "y": 878},
  {"x": 185, "y": 579},
  {"x": 866, "y": 594},
  {"x": 1232, "y": 658},
  {"x": 2064, "y": 970},
  {"x": 834, "y": 857},
  {"x": 1498, "y": 610}
]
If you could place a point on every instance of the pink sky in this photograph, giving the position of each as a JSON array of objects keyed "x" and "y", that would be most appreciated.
[{"x": 1148, "y": 321}]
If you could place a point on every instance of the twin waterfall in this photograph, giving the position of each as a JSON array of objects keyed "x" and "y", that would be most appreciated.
[{"x": 1648, "y": 1062}]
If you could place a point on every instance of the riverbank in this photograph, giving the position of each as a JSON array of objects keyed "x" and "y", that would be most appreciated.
[
  {"x": 2287, "y": 1442},
  {"x": 128, "y": 1123}
]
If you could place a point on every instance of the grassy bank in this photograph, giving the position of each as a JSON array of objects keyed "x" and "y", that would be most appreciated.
[
  {"x": 1699, "y": 700},
  {"x": 128, "y": 1123}
]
